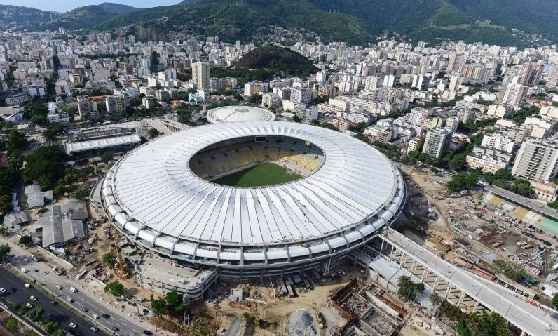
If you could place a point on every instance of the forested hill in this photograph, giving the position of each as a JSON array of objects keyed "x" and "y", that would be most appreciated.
[
  {"x": 491, "y": 21},
  {"x": 267, "y": 62}
]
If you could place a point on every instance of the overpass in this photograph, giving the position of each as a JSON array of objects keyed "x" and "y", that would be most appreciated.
[{"x": 394, "y": 255}]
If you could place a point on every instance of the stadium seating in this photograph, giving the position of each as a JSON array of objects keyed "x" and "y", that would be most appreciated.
[{"x": 297, "y": 156}]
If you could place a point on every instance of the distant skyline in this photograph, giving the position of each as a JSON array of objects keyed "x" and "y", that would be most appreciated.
[{"x": 66, "y": 5}]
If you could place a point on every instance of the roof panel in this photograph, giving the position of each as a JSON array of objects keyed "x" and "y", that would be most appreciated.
[{"x": 154, "y": 185}]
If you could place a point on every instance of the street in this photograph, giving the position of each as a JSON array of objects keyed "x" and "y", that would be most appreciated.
[
  {"x": 115, "y": 321},
  {"x": 18, "y": 294},
  {"x": 60, "y": 286}
]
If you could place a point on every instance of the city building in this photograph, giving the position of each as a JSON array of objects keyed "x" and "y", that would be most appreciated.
[
  {"x": 536, "y": 160},
  {"x": 115, "y": 105},
  {"x": 201, "y": 75},
  {"x": 435, "y": 142},
  {"x": 489, "y": 160}
]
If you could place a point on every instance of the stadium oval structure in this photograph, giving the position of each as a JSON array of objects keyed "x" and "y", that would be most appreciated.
[
  {"x": 154, "y": 197},
  {"x": 239, "y": 113}
]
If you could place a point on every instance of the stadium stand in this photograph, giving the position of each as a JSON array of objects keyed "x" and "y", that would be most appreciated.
[{"x": 295, "y": 155}]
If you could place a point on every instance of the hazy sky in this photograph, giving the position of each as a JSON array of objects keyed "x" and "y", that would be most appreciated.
[{"x": 65, "y": 5}]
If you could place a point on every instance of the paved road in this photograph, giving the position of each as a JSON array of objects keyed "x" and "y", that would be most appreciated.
[
  {"x": 60, "y": 285},
  {"x": 18, "y": 294}
]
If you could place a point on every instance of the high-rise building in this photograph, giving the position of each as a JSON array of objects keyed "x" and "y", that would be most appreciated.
[
  {"x": 536, "y": 160},
  {"x": 514, "y": 95},
  {"x": 530, "y": 73},
  {"x": 435, "y": 142},
  {"x": 84, "y": 108},
  {"x": 301, "y": 95},
  {"x": 200, "y": 75},
  {"x": 116, "y": 105}
]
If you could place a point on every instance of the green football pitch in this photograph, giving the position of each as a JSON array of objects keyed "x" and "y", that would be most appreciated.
[{"x": 260, "y": 175}]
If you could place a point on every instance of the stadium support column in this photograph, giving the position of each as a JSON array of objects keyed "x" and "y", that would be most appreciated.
[
  {"x": 265, "y": 256},
  {"x": 173, "y": 247},
  {"x": 195, "y": 253},
  {"x": 327, "y": 264}
]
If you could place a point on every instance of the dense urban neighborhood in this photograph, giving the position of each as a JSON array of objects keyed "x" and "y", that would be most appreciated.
[{"x": 290, "y": 185}]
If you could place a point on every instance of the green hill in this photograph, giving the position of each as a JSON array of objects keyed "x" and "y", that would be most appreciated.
[
  {"x": 489, "y": 21},
  {"x": 277, "y": 60},
  {"x": 356, "y": 21},
  {"x": 88, "y": 17},
  {"x": 240, "y": 19},
  {"x": 264, "y": 63},
  {"x": 19, "y": 17}
]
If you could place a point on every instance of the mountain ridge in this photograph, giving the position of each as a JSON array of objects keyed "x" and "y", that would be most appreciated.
[{"x": 354, "y": 21}]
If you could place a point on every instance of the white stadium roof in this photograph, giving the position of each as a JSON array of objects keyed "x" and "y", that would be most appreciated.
[
  {"x": 239, "y": 113},
  {"x": 154, "y": 196}
]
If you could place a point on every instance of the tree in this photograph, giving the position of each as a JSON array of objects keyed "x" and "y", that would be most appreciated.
[
  {"x": 17, "y": 143},
  {"x": 26, "y": 241},
  {"x": 523, "y": 188},
  {"x": 36, "y": 313},
  {"x": 555, "y": 301},
  {"x": 159, "y": 307},
  {"x": 463, "y": 181},
  {"x": 359, "y": 128},
  {"x": 52, "y": 131},
  {"x": 51, "y": 327},
  {"x": 408, "y": 290},
  {"x": 462, "y": 329},
  {"x": 513, "y": 271},
  {"x": 451, "y": 312},
  {"x": 175, "y": 303},
  {"x": 153, "y": 133},
  {"x": 457, "y": 162},
  {"x": 519, "y": 116},
  {"x": 45, "y": 165},
  {"x": 109, "y": 260},
  {"x": 115, "y": 288},
  {"x": 107, "y": 156},
  {"x": 36, "y": 112},
  {"x": 58, "y": 332},
  {"x": 11, "y": 324},
  {"x": 184, "y": 114},
  {"x": 4, "y": 251},
  {"x": 5, "y": 203},
  {"x": 172, "y": 303},
  {"x": 488, "y": 323}
]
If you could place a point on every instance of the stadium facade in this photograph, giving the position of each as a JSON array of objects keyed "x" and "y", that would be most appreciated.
[
  {"x": 238, "y": 114},
  {"x": 163, "y": 196}
]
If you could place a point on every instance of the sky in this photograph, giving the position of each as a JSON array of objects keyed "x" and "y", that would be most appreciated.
[{"x": 66, "y": 5}]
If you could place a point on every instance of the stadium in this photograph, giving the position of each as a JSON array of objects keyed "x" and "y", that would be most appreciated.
[
  {"x": 239, "y": 113},
  {"x": 253, "y": 198}
]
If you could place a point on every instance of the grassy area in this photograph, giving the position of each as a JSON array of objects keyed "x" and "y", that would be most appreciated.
[{"x": 264, "y": 174}]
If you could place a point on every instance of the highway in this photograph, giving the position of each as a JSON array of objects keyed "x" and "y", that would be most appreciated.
[
  {"x": 118, "y": 322},
  {"x": 532, "y": 319},
  {"x": 18, "y": 294}
]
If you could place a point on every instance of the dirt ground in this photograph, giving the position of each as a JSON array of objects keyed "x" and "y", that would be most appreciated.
[
  {"x": 434, "y": 191},
  {"x": 276, "y": 310},
  {"x": 409, "y": 330}
]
